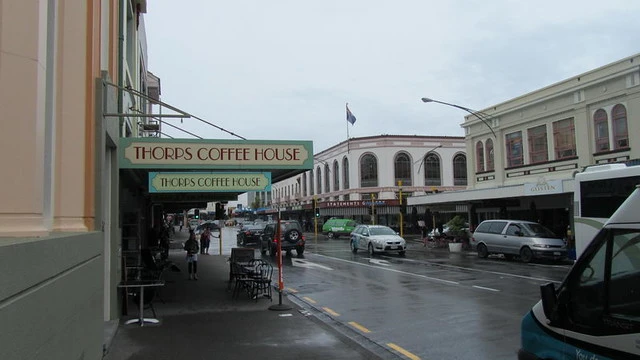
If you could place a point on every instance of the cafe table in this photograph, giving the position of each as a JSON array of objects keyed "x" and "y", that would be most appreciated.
[{"x": 141, "y": 284}]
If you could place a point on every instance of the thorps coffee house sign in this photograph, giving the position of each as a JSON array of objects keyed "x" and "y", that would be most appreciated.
[{"x": 154, "y": 153}]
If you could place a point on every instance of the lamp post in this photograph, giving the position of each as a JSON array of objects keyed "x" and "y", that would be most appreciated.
[{"x": 479, "y": 114}]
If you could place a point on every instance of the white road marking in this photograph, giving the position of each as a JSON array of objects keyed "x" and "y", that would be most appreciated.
[
  {"x": 485, "y": 288},
  {"x": 308, "y": 264},
  {"x": 379, "y": 262}
]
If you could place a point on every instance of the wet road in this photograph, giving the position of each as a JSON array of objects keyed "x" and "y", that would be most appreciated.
[{"x": 431, "y": 304}]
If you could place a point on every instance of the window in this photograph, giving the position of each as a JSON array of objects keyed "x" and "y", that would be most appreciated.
[
  {"x": 601, "y": 130},
  {"x": 565, "y": 139},
  {"x": 336, "y": 176},
  {"x": 624, "y": 288},
  {"x": 620, "y": 131},
  {"x": 327, "y": 178},
  {"x": 304, "y": 184},
  {"x": 403, "y": 169},
  {"x": 459, "y": 170},
  {"x": 311, "y": 187},
  {"x": 345, "y": 173},
  {"x": 489, "y": 154},
  {"x": 538, "y": 151},
  {"x": 479, "y": 157},
  {"x": 513, "y": 230},
  {"x": 513, "y": 143},
  {"x": 319, "y": 180},
  {"x": 496, "y": 227},
  {"x": 432, "y": 170},
  {"x": 368, "y": 171}
]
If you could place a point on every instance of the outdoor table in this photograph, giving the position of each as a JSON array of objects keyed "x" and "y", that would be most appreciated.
[{"x": 141, "y": 284}]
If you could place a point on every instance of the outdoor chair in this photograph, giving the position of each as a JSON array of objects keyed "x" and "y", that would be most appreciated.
[{"x": 261, "y": 280}]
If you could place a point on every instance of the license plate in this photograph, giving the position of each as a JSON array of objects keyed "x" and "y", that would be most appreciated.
[{"x": 556, "y": 253}]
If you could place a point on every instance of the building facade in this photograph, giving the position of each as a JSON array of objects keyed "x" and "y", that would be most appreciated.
[
  {"x": 61, "y": 67},
  {"x": 524, "y": 153},
  {"x": 366, "y": 175}
]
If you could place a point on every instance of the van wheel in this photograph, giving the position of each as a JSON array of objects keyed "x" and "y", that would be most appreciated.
[
  {"x": 482, "y": 251},
  {"x": 526, "y": 255},
  {"x": 354, "y": 249},
  {"x": 330, "y": 235},
  {"x": 371, "y": 251}
]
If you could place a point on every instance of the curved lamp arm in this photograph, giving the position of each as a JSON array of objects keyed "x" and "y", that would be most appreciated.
[{"x": 479, "y": 114}]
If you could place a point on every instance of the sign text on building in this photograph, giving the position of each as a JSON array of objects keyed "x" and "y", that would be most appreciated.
[{"x": 173, "y": 182}]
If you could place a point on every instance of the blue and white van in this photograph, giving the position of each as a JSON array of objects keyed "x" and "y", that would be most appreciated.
[{"x": 595, "y": 313}]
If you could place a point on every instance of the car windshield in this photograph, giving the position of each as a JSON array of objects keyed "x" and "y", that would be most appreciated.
[
  {"x": 538, "y": 230},
  {"x": 381, "y": 231},
  {"x": 254, "y": 227}
]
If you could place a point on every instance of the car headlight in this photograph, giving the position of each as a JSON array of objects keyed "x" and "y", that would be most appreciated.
[{"x": 544, "y": 246}]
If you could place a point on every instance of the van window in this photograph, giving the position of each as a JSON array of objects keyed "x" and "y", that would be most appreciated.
[
  {"x": 513, "y": 229},
  {"x": 624, "y": 290},
  {"x": 496, "y": 227},
  {"x": 484, "y": 227}
]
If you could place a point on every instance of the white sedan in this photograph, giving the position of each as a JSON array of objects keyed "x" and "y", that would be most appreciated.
[{"x": 377, "y": 238}]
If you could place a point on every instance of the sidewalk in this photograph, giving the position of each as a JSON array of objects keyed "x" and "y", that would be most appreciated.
[{"x": 200, "y": 320}]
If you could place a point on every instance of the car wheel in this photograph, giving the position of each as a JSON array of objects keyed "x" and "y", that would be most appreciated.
[
  {"x": 526, "y": 255},
  {"x": 370, "y": 249},
  {"x": 402, "y": 253},
  {"x": 300, "y": 250},
  {"x": 354, "y": 248},
  {"x": 330, "y": 235},
  {"x": 293, "y": 235},
  {"x": 482, "y": 251}
]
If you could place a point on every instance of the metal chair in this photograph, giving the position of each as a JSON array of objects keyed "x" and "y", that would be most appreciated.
[{"x": 261, "y": 280}]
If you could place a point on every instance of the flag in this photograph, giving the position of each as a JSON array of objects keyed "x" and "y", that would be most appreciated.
[{"x": 350, "y": 117}]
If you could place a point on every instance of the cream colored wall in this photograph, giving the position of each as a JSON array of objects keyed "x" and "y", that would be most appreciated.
[{"x": 22, "y": 100}]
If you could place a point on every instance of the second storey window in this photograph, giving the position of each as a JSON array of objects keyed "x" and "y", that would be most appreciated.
[
  {"x": 479, "y": 157},
  {"x": 488, "y": 146},
  {"x": 601, "y": 130},
  {"x": 538, "y": 151},
  {"x": 620, "y": 131},
  {"x": 513, "y": 144},
  {"x": 432, "y": 170},
  {"x": 345, "y": 173},
  {"x": 368, "y": 171},
  {"x": 564, "y": 138}
]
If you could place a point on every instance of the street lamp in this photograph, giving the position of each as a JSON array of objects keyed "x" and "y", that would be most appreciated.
[{"x": 479, "y": 114}]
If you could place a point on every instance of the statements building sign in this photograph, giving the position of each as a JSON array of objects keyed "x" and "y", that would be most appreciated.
[
  {"x": 154, "y": 153},
  {"x": 175, "y": 182}
]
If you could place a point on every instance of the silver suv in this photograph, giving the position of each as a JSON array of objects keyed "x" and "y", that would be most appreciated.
[{"x": 526, "y": 239}]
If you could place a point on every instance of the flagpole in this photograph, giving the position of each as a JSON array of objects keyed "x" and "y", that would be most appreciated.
[{"x": 347, "y": 106}]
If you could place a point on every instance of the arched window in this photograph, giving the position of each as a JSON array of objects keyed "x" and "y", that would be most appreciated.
[
  {"x": 311, "y": 187},
  {"x": 459, "y": 170},
  {"x": 601, "y": 130},
  {"x": 432, "y": 170},
  {"x": 336, "y": 176},
  {"x": 304, "y": 184},
  {"x": 479, "y": 157},
  {"x": 488, "y": 146},
  {"x": 620, "y": 131},
  {"x": 319, "y": 180},
  {"x": 403, "y": 169},
  {"x": 368, "y": 171},
  {"x": 327, "y": 178},
  {"x": 345, "y": 172}
]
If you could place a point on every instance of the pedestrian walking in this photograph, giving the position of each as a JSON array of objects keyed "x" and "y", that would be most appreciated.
[
  {"x": 191, "y": 247},
  {"x": 205, "y": 239}
]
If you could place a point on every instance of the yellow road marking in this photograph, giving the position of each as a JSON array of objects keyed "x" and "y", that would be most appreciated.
[
  {"x": 359, "y": 327},
  {"x": 331, "y": 312},
  {"x": 292, "y": 290},
  {"x": 403, "y": 351},
  {"x": 309, "y": 299}
]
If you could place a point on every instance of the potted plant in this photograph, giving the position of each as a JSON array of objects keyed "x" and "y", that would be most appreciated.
[{"x": 458, "y": 230}]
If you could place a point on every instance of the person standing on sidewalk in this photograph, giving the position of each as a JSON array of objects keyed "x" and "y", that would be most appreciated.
[
  {"x": 205, "y": 239},
  {"x": 191, "y": 247}
]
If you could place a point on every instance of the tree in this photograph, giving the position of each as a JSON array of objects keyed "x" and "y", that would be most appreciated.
[{"x": 458, "y": 228}]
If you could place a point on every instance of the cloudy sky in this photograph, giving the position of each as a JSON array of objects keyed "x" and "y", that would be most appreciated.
[{"x": 284, "y": 69}]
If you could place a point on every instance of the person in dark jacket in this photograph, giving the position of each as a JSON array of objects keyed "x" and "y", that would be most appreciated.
[{"x": 191, "y": 247}]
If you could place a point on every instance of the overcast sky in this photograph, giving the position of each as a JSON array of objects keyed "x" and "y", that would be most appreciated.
[{"x": 284, "y": 69}]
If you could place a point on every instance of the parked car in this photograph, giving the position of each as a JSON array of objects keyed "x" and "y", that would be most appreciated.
[
  {"x": 377, "y": 238},
  {"x": 336, "y": 227},
  {"x": 526, "y": 239},
  {"x": 291, "y": 237},
  {"x": 250, "y": 233}
]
